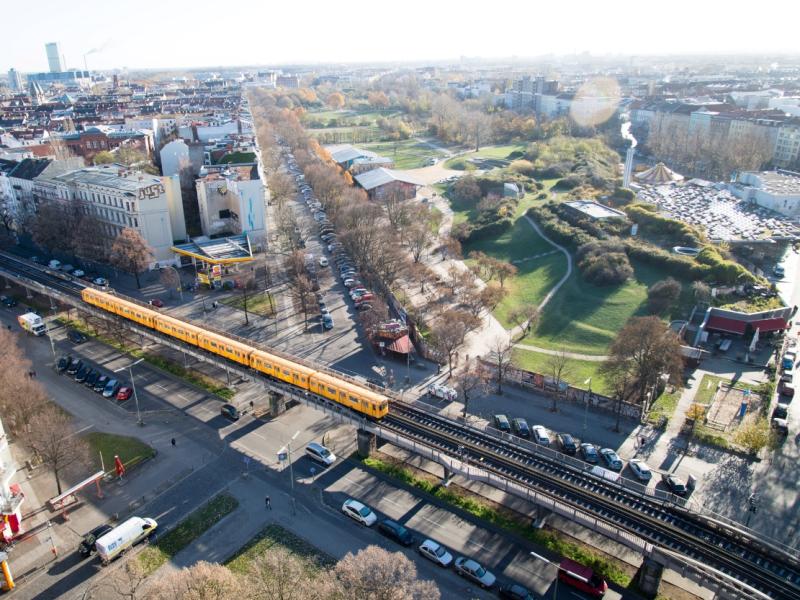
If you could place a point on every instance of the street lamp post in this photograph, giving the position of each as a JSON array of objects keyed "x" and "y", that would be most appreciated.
[
  {"x": 586, "y": 407},
  {"x": 133, "y": 387},
  {"x": 547, "y": 560},
  {"x": 291, "y": 468}
]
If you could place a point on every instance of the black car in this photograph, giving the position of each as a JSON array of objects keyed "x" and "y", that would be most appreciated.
[
  {"x": 568, "y": 444},
  {"x": 514, "y": 591},
  {"x": 63, "y": 363},
  {"x": 501, "y": 423},
  {"x": 87, "y": 545},
  {"x": 8, "y": 301},
  {"x": 229, "y": 411},
  {"x": 75, "y": 336},
  {"x": 520, "y": 427},
  {"x": 100, "y": 384},
  {"x": 781, "y": 412},
  {"x": 82, "y": 374},
  {"x": 674, "y": 484},
  {"x": 393, "y": 530},
  {"x": 75, "y": 366},
  {"x": 92, "y": 378}
]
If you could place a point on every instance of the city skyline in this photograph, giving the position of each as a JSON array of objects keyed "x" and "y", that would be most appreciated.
[{"x": 198, "y": 34}]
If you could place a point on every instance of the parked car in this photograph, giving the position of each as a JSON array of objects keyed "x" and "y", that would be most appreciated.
[
  {"x": 779, "y": 271},
  {"x": 589, "y": 453},
  {"x": 8, "y": 301},
  {"x": 472, "y": 570},
  {"x": 437, "y": 390},
  {"x": 674, "y": 484},
  {"x": 91, "y": 379},
  {"x": 540, "y": 435},
  {"x": 67, "y": 269},
  {"x": 514, "y": 591},
  {"x": 781, "y": 427},
  {"x": 124, "y": 394},
  {"x": 363, "y": 306},
  {"x": 54, "y": 264},
  {"x": 111, "y": 389},
  {"x": 74, "y": 366},
  {"x": 63, "y": 363},
  {"x": 75, "y": 336},
  {"x": 359, "y": 512},
  {"x": 78, "y": 273},
  {"x": 520, "y": 427},
  {"x": 323, "y": 262},
  {"x": 156, "y": 302},
  {"x": 567, "y": 443},
  {"x": 100, "y": 384},
  {"x": 327, "y": 321},
  {"x": 501, "y": 423},
  {"x": 611, "y": 459},
  {"x": 640, "y": 469},
  {"x": 436, "y": 553},
  {"x": 82, "y": 373},
  {"x": 229, "y": 411},
  {"x": 87, "y": 546},
  {"x": 319, "y": 453},
  {"x": 394, "y": 531},
  {"x": 366, "y": 297},
  {"x": 102, "y": 281},
  {"x": 781, "y": 412}
]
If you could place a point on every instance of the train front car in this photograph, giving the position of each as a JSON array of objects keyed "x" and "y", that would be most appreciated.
[{"x": 361, "y": 399}]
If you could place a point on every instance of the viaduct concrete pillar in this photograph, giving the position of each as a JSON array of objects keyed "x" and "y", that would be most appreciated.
[
  {"x": 277, "y": 404},
  {"x": 649, "y": 577},
  {"x": 366, "y": 443}
]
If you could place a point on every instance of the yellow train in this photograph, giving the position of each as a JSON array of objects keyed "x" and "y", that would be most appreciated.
[{"x": 348, "y": 393}]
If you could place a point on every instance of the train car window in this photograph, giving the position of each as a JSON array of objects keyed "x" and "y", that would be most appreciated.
[
  {"x": 331, "y": 390},
  {"x": 286, "y": 372},
  {"x": 343, "y": 395}
]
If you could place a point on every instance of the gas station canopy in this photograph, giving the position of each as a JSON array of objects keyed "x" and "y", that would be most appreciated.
[{"x": 220, "y": 251}]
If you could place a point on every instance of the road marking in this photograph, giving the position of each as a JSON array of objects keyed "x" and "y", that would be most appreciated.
[{"x": 161, "y": 386}]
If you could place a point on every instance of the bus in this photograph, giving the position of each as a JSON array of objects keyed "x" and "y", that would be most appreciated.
[{"x": 582, "y": 578}]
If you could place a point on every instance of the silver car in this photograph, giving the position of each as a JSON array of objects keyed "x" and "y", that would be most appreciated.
[
  {"x": 466, "y": 567},
  {"x": 436, "y": 553}
]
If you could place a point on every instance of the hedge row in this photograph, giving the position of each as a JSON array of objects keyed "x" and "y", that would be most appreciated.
[
  {"x": 491, "y": 229},
  {"x": 684, "y": 233},
  {"x": 557, "y": 229},
  {"x": 677, "y": 265}
]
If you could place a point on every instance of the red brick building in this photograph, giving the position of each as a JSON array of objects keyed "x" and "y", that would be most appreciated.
[{"x": 97, "y": 139}]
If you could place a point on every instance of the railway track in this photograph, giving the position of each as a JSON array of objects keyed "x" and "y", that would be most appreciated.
[
  {"x": 750, "y": 561},
  {"x": 662, "y": 524}
]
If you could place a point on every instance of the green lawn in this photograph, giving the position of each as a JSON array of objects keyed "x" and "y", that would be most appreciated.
[
  {"x": 238, "y": 157},
  {"x": 664, "y": 406},
  {"x": 406, "y": 154},
  {"x": 576, "y": 372},
  {"x": 188, "y": 530},
  {"x": 275, "y": 536},
  {"x": 257, "y": 304},
  {"x": 585, "y": 318},
  {"x": 129, "y": 449}
]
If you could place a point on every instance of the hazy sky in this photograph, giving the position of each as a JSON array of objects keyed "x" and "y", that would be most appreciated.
[{"x": 184, "y": 33}]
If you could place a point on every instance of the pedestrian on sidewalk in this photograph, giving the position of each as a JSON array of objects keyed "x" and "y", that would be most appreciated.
[{"x": 268, "y": 502}]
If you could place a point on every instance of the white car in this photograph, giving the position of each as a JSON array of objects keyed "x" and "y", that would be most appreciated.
[
  {"x": 323, "y": 262},
  {"x": 359, "y": 512},
  {"x": 435, "y": 552},
  {"x": 540, "y": 435},
  {"x": 640, "y": 469},
  {"x": 100, "y": 281},
  {"x": 437, "y": 390},
  {"x": 466, "y": 567}
]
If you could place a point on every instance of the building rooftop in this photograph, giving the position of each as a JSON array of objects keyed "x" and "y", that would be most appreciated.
[
  {"x": 341, "y": 153},
  {"x": 380, "y": 176},
  {"x": 113, "y": 176},
  {"x": 595, "y": 210},
  {"x": 778, "y": 182},
  {"x": 30, "y": 168}
]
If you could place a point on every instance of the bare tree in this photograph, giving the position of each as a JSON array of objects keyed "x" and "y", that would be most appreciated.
[
  {"x": 505, "y": 270},
  {"x": 21, "y": 398},
  {"x": 202, "y": 581},
  {"x": 375, "y": 574},
  {"x": 89, "y": 243},
  {"x": 247, "y": 282},
  {"x": 53, "y": 438},
  {"x": 170, "y": 279},
  {"x": 526, "y": 315},
  {"x": 131, "y": 253},
  {"x": 451, "y": 248},
  {"x": 450, "y": 330},
  {"x": 397, "y": 207},
  {"x": 492, "y": 295},
  {"x": 470, "y": 384},
  {"x": 501, "y": 355},
  {"x": 281, "y": 187},
  {"x": 557, "y": 367},
  {"x": 302, "y": 292},
  {"x": 418, "y": 236}
]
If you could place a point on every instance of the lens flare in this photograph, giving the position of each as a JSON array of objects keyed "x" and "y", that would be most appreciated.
[{"x": 595, "y": 101}]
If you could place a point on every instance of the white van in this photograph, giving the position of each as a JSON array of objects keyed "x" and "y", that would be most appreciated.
[
  {"x": 124, "y": 536},
  {"x": 54, "y": 264},
  {"x": 320, "y": 454}
]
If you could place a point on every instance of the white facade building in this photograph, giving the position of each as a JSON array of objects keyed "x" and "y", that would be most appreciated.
[
  {"x": 121, "y": 198},
  {"x": 231, "y": 200},
  {"x": 775, "y": 190}
]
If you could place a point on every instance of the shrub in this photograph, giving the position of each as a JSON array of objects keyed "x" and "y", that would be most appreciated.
[
  {"x": 515, "y": 155},
  {"x": 492, "y": 229},
  {"x": 680, "y": 266},
  {"x": 524, "y": 167},
  {"x": 678, "y": 231},
  {"x": 467, "y": 190},
  {"x": 663, "y": 295},
  {"x": 722, "y": 270},
  {"x": 604, "y": 263}
]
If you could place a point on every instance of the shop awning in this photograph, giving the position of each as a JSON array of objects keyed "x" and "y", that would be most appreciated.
[
  {"x": 766, "y": 325},
  {"x": 727, "y": 325},
  {"x": 220, "y": 251},
  {"x": 401, "y": 345}
]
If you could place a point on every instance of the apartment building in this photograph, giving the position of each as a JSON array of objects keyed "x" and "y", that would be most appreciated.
[
  {"x": 231, "y": 201},
  {"x": 122, "y": 198}
]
